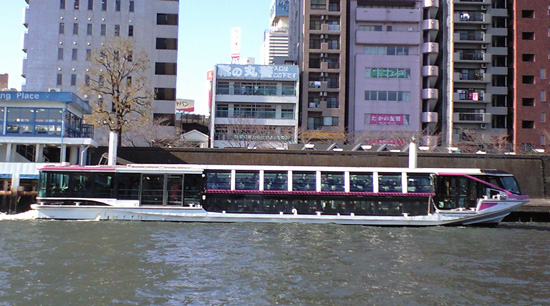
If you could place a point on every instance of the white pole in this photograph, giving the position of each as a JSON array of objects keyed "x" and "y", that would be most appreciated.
[
  {"x": 413, "y": 155},
  {"x": 113, "y": 144}
]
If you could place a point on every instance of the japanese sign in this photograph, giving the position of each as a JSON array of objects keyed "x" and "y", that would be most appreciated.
[
  {"x": 279, "y": 72},
  {"x": 388, "y": 119}
]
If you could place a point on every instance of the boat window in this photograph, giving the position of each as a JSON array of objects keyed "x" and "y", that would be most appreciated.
[
  {"x": 456, "y": 192},
  {"x": 218, "y": 179},
  {"x": 192, "y": 186},
  {"x": 175, "y": 191},
  {"x": 419, "y": 183},
  {"x": 360, "y": 182},
  {"x": 59, "y": 184},
  {"x": 303, "y": 181},
  {"x": 128, "y": 186},
  {"x": 246, "y": 180},
  {"x": 104, "y": 185},
  {"x": 332, "y": 181},
  {"x": 510, "y": 184},
  {"x": 81, "y": 184},
  {"x": 389, "y": 182},
  {"x": 152, "y": 189},
  {"x": 43, "y": 184},
  {"x": 275, "y": 180}
]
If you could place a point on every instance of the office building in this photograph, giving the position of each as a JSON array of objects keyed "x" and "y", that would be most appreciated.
[
  {"x": 61, "y": 35},
  {"x": 254, "y": 106},
  {"x": 275, "y": 45}
]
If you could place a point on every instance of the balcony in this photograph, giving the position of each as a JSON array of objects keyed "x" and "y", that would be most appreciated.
[
  {"x": 473, "y": 37},
  {"x": 387, "y": 38},
  {"x": 472, "y": 118},
  {"x": 472, "y": 17},
  {"x": 430, "y": 24},
  {"x": 473, "y": 2},
  {"x": 429, "y": 117},
  {"x": 471, "y": 57},
  {"x": 388, "y": 15},
  {"x": 472, "y": 96},
  {"x": 472, "y": 77},
  {"x": 430, "y": 71},
  {"x": 430, "y": 94},
  {"x": 430, "y": 4},
  {"x": 430, "y": 47}
]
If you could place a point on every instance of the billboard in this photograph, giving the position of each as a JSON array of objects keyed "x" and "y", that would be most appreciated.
[
  {"x": 185, "y": 105},
  {"x": 273, "y": 72},
  {"x": 235, "y": 43},
  {"x": 279, "y": 8}
]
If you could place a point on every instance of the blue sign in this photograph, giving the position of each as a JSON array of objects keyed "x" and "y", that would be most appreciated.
[{"x": 279, "y": 8}]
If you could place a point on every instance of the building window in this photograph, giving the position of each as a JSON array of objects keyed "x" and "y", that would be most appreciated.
[
  {"x": 59, "y": 79},
  {"x": 90, "y": 5},
  {"x": 167, "y": 19},
  {"x": 117, "y": 5},
  {"x": 528, "y": 102},
  {"x": 61, "y": 28},
  {"x": 528, "y": 14},
  {"x": 542, "y": 117},
  {"x": 500, "y": 101},
  {"x": 314, "y": 123},
  {"x": 165, "y": 94},
  {"x": 542, "y": 74},
  {"x": 131, "y": 31},
  {"x": 287, "y": 112},
  {"x": 59, "y": 53},
  {"x": 103, "y": 5},
  {"x": 499, "y": 122},
  {"x": 332, "y": 102},
  {"x": 387, "y": 50},
  {"x": 370, "y": 28},
  {"x": 89, "y": 29},
  {"x": 528, "y": 124},
  {"x": 528, "y": 57},
  {"x": 528, "y": 35},
  {"x": 103, "y": 30},
  {"x": 318, "y": 4},
  {"x": 222, "y": 110},
  {"x": 528, "y": 79},
  {"x": 543, "y": 95},
  {"x": 117, "y": 29},
  {"x": 330, "y": 121},
  {"x": 74, "y": 56},
  {"x": 88, "y": 54},
  {"x": 73, "y": 79},
  {"x": 165, "y": 68},
  {"x": 131, "y": 6},
  {"x": 389, "y": 96},
  {"x": 76, "y": 4},
  {"x": 167, "y": 43},
  {"x": 75, "y": 28},
  {"x": 62, "y": 4}
]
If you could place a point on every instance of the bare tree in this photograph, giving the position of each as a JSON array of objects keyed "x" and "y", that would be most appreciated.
[{"x": 116, "y": 78}]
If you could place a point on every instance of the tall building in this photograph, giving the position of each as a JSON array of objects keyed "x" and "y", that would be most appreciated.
[
  {"x": 275, "y": 45},
  {"x": 476, "y": 101},
  {"x": 254, "y": 106},
  {"x": 61, "y": 35},
  {"x": 531, "y": 58},
  {"x": 385, "y": 69},
  {"x": 318, "y": 42}
]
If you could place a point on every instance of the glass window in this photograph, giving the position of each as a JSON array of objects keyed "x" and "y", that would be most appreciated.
[
  {"x": 361, "y": 182},
  {"x": 76, "y": 4},
  {"x": 419, "y": 183},
  {"x": 62, "y": 4},
  {"x": 131, "y": 6},
  {"x": 304, "y": 181},
  {"x": 275, "y": 180},
  {"x": 59, "y": 80},
  {"x": 59, "y": 53},
  {"x": 167, "y": 19},
  {"x": 389, "y": 182},
  {"x": 117, "y": 29},
  {"x": 61, "y": 28},
  {"x": 218, "y": 179},
  {"x": 246, "y": 180},
  {"x": 332, "y": 181},
  {"x": 74, "y": 56},
  {"x": 103, "y": 30},
  {"x": 75, "y": 28},
  {"x": 222, "y": 110},
  {"x": 117, "y": 5},
  {"x": 131, "y": 31},
  {"x": 89, "y": 29},
  {"x": 90, "y": 5},
  {"x": 103, "y": 5},
  {"x": 73, "y": 79}
]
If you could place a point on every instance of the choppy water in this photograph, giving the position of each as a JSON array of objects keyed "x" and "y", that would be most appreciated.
[{"x": 127, "y": 263}]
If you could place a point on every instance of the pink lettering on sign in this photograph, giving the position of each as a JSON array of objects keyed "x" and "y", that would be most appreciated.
[{"x": 388, "y": 119}]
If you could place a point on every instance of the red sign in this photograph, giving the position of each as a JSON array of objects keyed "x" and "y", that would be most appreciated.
[{"x": 210, "y": 75}]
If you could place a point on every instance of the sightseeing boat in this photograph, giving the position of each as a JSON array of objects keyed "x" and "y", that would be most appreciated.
[{"x": 253, "y": 193}]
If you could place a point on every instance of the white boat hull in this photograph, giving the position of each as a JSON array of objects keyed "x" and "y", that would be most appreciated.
[{"x": 491, "y": 215}]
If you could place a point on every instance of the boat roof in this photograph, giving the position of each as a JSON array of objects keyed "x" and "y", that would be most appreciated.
[{"x": 199, "y": 168}]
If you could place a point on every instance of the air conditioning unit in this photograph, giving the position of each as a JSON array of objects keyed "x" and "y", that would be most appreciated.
[
  {"x": 484, "y": 46},
  {"x": 484, "y": 26},
  {"x": 483, "y": 7},
  {"x": 322, "y": 36},
  {"x": 324, "y": 93},
  {"x": 54, "y": 89},
  {"x": 323, "y": 17},
  {"x": 484, "y": 65},
  {"x": 483, "y": 126}
]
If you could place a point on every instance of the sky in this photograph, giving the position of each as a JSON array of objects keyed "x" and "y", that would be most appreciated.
[{"x": 204, "y": 40}]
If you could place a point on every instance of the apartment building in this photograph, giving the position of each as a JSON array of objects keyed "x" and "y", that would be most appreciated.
[
  {"x": 254, "y": 106},
  {"x": 318, "y": 42},
  {"x": 386, "y": 69},
  {"x": 531, "y": 29},
  {"x": 61, "y": 35}
]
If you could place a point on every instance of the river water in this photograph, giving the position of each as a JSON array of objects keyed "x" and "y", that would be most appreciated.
[{"x": 140, "y": 263}]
